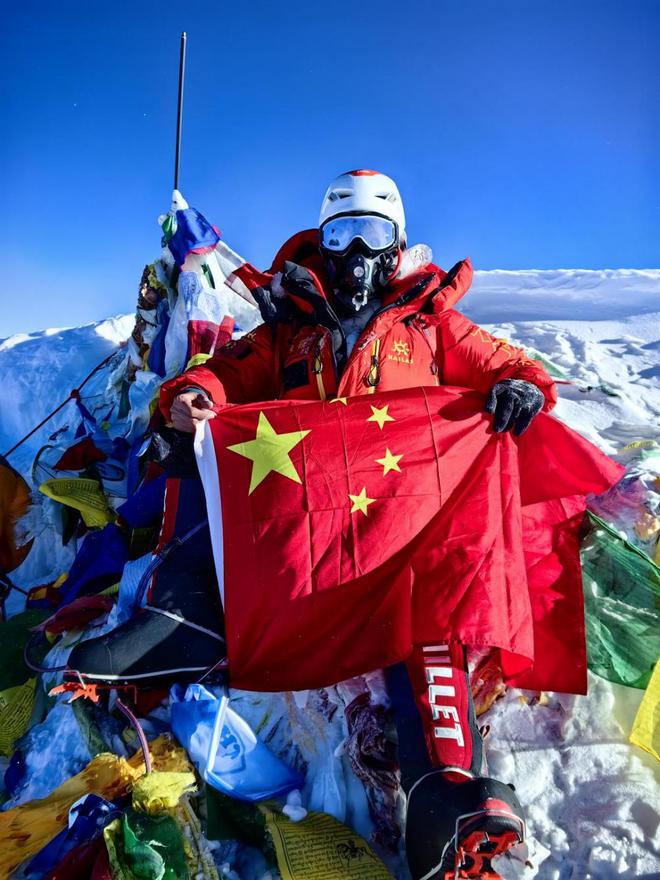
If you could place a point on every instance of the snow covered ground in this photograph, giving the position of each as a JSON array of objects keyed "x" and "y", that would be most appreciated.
[{"x": 591, "y": 797}]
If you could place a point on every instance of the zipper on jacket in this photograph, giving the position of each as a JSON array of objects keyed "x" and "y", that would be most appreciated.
[
  {"x": 424, "y": 330},
  {"x": 374, "y": 371},
  {"x": 401, "y": 301},
  {"x": 317, "y": 369},
  {"x": 336, "y": 328}
]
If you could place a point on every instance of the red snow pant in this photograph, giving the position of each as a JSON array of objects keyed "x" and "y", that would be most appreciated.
[{"x": 441, "y": 686}]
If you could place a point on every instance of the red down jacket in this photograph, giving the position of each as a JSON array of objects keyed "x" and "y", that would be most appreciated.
[{"x": 416, "y": 339}]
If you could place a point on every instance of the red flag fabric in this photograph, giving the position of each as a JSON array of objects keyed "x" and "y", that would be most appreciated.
[
  {"x": 79, "y": 456},
  {"x": 351, "y": 530}
]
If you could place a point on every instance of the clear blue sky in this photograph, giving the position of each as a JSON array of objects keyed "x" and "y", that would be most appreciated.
[{"x": 525, "y": 133}]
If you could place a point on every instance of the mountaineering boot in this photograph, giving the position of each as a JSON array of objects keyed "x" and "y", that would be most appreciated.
[
  {"x": 178, "y": 634},
  {"x": 457, "y": 822},
  {"x": 457, "y": 819}
]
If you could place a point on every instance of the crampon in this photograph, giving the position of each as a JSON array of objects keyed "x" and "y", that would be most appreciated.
[
  {"x": 458, "y": 823},
  {"x": 475, "y": 847}
]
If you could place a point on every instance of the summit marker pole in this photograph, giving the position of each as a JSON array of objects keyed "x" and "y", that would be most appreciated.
[{"x": 179, "y": 115}]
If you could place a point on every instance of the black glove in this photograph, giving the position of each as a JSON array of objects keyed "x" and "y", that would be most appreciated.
[
  {"x": 174, "y": 452},
  {"x": 514, "y": 404}
]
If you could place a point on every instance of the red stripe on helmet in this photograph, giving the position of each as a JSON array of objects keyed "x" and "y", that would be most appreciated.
[{"x": 363, "y": 172}]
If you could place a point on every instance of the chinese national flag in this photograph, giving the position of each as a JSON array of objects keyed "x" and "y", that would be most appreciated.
[{"x": 346, "y": 531}]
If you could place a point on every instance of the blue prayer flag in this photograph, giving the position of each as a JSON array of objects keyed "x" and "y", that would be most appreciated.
[{"x": 193, "y": 233}]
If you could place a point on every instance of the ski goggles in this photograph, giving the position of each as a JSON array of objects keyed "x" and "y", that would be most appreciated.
[{"x": 378, "y": 233}]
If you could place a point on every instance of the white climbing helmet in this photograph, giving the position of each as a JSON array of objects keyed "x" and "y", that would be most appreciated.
[{"x": 364, "y": 192}]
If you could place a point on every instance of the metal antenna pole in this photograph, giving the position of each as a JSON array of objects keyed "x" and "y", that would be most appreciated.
[{"x": 179, "y": 115}]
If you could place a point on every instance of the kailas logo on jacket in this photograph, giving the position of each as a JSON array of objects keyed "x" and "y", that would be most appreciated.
[{"x": 400, "y": 352}]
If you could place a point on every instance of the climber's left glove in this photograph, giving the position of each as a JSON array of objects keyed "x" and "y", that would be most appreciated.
[
  {"x": 514, "y": 403},
  {"x": 173, "y": 450}
]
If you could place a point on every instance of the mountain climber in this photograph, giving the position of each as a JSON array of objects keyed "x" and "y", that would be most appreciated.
[{"x": 349, "y": 309}]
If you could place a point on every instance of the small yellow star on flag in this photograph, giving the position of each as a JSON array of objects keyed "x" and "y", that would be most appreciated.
[
  {"x": 380, "y": 416},
  {"x": 339, "y": 400},
  {"x": 361, "y": 502},
  {"x": 390, "y": 462},
  {"x": 269, "y": 451}
]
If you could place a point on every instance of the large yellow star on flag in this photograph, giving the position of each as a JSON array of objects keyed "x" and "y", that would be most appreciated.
[
  {"x": 361, "y": 502},
  {"x": 380, "y": 416},
  {"x": 390, "y": 462},
  {"x": 269, "y": 451}
]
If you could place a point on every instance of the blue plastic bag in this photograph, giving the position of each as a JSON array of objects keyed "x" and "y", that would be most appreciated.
[{"x": 225, "y": 750}]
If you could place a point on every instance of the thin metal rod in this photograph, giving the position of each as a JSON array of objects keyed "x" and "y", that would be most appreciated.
[
  {"x": 179, "y": 114},
  {"x": 144, "y": 745}
]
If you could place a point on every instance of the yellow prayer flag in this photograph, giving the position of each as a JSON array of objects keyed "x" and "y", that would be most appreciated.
[
  {"x": 26, "y": 829},
  {"x": 82, "y": 494},
  {"x": 321, "y": 848},
  {"x": 15, "y": 710},
  {"x": 646, "y": 727}
]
